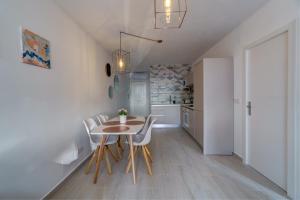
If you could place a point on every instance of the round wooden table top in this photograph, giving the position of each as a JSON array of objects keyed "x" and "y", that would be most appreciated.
[
  {"x": 130, "y": 117},
  {"x": 114, "y": 123},
  {"x": 116, "y": 129},
  {"x": 134, "y": 122}
]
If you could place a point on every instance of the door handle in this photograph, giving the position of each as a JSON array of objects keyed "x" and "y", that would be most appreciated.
[{"x": 249, "y": 107}]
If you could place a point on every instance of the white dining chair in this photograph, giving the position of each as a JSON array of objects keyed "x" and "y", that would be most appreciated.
[
  {"x": 91, "y": 124},
  {"x": 140, "y": 141},
  {"x": 143, "y": 131},
  {"x": 104, "y": 118}
]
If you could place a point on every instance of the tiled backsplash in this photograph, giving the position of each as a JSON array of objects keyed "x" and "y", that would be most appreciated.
[{"x": 166, "y": 81}]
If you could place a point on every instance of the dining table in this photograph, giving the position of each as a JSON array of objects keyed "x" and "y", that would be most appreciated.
[{"x": 133, "y": 125}]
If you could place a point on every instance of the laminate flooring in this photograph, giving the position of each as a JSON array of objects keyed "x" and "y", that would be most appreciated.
[{"x": 180, "y": 171}]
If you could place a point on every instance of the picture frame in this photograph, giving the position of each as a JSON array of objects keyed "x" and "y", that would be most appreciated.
[{"x": 35, "y": 50}]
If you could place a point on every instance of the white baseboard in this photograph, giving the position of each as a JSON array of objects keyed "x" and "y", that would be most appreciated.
[
  {"x": 238, "y": 156},
  {"x": 63, "y": 179}
]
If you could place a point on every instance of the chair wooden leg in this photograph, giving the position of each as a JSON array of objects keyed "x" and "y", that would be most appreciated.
[
  {"x": 111, "y": 153},
  {"x": 127, "y": 142},
  {"x": 147, "y": 161},
  {"x": 147, "y": 148},
  {"x": 128, "y": 165},
  {"x": 95, "y": 155},
  {"x": 100, "y": 156},
  {"x": 135, "y": 149},
  {"x": 129, "y": 160},
  {"x": 108, "y": 165},
  {"x": 148, "y": 153},
  {"x": 120, "y": 144},
  {"x": 119, "y": 151}
]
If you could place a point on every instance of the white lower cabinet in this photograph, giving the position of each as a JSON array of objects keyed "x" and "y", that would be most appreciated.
[
  {"x": 198, "y": 128},
  {"x": 166, "y": 115},
  {"x": 192, "y": 122},
  {"x": 187, "y": 120}
]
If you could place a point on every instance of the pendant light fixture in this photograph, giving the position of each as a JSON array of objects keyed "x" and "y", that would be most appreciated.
[
  {"x": 121, "y": 61},
  {"x": 121, "y": 58},
  {"x": 169, "y": 13}
]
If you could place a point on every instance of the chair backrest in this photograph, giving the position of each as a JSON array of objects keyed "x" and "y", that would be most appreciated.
[
  {"x": 102, "y": 118},
  {"x": 99, "y": 120},
  {"x": 90, "y": 124},
  {"x": 146, "y": 125},
  {"x": 147, "y": 137}
]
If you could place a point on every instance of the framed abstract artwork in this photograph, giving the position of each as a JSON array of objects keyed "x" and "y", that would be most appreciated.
[{"x": 35, "y": 49}]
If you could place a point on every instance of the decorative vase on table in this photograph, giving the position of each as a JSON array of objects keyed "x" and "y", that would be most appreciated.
[{"x": 123, "y": 115}]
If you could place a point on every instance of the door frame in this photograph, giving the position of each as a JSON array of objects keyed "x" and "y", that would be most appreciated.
[{"x": 291, "y": 106}]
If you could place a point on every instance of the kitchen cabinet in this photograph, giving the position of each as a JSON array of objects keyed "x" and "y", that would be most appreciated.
[
  {"x": 198, "y": 129},
  {"x": 213, "y": 104},
  {"x": 188, "y": 79},
  {"x": 187, "y": 119},
  {"x": 198, "y": 86},
  {"x": 166, "y": 115},
  {"x": 181, "y": 116}
]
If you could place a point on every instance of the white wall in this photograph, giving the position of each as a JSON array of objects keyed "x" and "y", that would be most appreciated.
[
  {"x": 274, "y": 15},
  {"x": 41, "y": 110},
  {"x": 297, "y": 142}
]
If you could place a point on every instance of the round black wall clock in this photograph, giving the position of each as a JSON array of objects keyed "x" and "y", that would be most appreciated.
[{"x": 108, "y": 69}]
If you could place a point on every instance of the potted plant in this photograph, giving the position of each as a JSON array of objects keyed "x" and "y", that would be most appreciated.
[{"x": 123, "y": 115}]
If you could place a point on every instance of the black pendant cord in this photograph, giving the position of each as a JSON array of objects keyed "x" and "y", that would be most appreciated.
[
  {"x": 132, "y": 35},
  {"x": 120, "y": 44},
  {"x": 140, "y": 37}
]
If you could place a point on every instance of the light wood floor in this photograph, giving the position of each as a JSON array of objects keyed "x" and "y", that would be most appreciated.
[{"x": 180, "y": 171}]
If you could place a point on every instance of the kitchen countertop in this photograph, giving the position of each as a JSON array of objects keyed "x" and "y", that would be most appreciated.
[
  {"x": 165, "y": 105},
  {"x": 174, "y": 105},
  {"x": 188, "y": 106}
]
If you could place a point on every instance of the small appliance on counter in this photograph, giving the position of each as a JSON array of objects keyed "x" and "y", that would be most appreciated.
[{"x": 188, "y": 95}]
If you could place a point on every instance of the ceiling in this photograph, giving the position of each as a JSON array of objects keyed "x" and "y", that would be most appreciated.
[{"x": 206, "y": 22}]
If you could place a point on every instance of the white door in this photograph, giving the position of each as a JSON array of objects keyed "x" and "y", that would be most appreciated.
[
  {"x": 138, "y": 98},
  {"x": 267, "y": 67}
]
